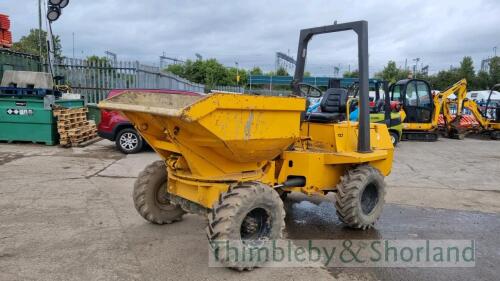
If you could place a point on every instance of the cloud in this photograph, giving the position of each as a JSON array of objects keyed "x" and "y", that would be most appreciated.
[{"x": 250, "y": 32}]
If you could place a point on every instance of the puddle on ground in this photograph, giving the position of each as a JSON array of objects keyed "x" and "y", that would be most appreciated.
[{"x": 317, "y": 220}]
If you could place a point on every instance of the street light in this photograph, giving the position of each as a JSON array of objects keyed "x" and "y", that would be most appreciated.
[
  {"x": 63, "y": 3},
  {"x": 55, "y": 9},
  {"x": 53, "y": 13},
  {"x": 55, "y": 2},
  {"x": 415, "y": 67}
]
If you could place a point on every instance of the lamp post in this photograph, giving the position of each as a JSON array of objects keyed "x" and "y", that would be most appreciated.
[
  {"x": 237, "y": 74},
  {"x": 415, "y": 67},
  {"x": 40, "y": 53},
  {"x": 54, "y": 11}
]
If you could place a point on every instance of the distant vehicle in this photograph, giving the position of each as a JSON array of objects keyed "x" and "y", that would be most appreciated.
[
  {"x": 483, "y": 95},
  {"x": 116, "y": 127}
]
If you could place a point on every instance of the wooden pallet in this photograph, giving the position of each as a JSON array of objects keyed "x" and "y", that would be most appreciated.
[
  {"x": 81, "y": 142},
  {"x": 75, "y": 137},
  {"x": 73, "y": 117},
  {"x": 69, "y": 111},
  {"x": 88, "y": 142},
  {"x": 82, "y": 130},
  {"x": 82, "y": 138},
  {"x": 73, "y": 127},
  {"x": 65, "y": 126}
]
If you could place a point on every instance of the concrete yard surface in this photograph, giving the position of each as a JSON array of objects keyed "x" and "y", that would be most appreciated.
[{"x": 67, "y": 214}]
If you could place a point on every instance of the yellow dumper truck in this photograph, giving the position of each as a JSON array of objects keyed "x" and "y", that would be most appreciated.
[{"x": 230, "y": 156}]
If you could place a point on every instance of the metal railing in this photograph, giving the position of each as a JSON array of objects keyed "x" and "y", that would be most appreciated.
[
  {"x": 266, "y": 92},
  {"x": 233, "y": 89},
  {"x": 93, "y": 79},
  {"x": 243, "y": 90}
]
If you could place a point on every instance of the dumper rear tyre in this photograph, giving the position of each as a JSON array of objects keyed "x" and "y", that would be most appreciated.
[
  {"x": 151, "y": 199},
  {"x": 360, "y": 197},
  {"x": 248, "y": 215}
]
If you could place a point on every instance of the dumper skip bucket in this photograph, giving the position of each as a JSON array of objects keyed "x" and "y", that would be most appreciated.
[{"x": 238, "y": 128}]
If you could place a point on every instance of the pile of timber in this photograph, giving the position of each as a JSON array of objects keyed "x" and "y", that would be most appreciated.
[{"x": 73, "y": 127}]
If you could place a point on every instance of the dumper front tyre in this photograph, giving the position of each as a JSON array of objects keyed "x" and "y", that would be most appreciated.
[
  {"x": 248, "y": 215},
  {"x": 360, "y": 197},
  {"x": 151, "y": 199}
]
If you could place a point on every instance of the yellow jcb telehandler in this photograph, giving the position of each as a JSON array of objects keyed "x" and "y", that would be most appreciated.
[{"x": 227, "y": 155}]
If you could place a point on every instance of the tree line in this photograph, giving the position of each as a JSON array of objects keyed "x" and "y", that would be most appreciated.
[
  {"x": 481, "y": 80},
  {"x": 212, "y": 73},
  {"x": 30, "y": 44}
]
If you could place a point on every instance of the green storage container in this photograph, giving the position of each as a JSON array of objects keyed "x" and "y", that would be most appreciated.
[
  {"x": 94, "y": 112},
  {"x": 31, "y": 119}
]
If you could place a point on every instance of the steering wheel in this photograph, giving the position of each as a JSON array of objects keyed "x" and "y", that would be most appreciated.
[{"x": 308, "y": 90}]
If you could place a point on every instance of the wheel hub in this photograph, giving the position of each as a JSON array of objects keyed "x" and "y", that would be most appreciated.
[
  {"x": 256, "y": 225},
  {"x": 163, "y": 198},
  {"x": 250, "y": 225},
  {"x": 129, "y": 141},
  {"x": 369, "y": 198}
]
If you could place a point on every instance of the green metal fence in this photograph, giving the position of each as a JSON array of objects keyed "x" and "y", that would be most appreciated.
[{"x": 10, "y": 60}]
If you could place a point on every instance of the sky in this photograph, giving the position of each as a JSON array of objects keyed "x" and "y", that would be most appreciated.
[{"x": 439, "y": 32}]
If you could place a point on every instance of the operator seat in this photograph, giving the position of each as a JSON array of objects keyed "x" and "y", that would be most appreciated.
[{"x": 333, "y": 107}]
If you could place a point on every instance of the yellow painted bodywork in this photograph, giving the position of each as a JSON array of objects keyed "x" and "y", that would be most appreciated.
[
  {"x": 210, "y": 142},
  {"x": 486, "y": 124}
]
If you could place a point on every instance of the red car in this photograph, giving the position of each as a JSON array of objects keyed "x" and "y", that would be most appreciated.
[{"x": 116, "y": 127}]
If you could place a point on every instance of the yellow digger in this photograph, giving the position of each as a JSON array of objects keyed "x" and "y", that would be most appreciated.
[
  {"x": 228, "y": 156},
  {"x": 488, "y": 118},
  {"x": 422, "y": 108}
]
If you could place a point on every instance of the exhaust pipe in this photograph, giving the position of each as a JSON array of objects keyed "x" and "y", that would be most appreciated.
[{"x": 293, "y": 182}]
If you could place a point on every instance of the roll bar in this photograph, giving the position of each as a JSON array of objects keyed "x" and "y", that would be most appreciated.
[{"x": 361, "y": 29}]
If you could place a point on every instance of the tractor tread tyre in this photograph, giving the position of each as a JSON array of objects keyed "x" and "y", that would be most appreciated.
[
  {"x": 225, "y": 218},
  {"x": 146, "y": 189},
  {"x": 349, "y": 195}
]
